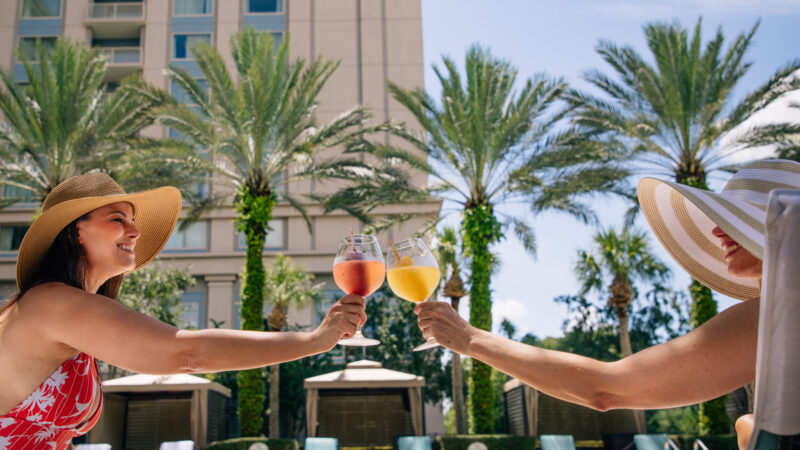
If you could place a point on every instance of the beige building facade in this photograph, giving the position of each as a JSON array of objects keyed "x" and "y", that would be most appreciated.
[{"x": 376, "y": 41}]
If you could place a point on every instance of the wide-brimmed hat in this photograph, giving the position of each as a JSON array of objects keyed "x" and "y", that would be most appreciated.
[
  {"x": 682, "y": 218},
  {"x": 155, "y": 213}
]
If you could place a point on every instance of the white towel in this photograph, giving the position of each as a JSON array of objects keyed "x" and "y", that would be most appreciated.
[{"x": 777, "y": 399}]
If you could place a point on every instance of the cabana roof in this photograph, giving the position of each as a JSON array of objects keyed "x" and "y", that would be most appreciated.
[
  {"x": 160, "y": 383},
  {"x": 364, "y": 374}
]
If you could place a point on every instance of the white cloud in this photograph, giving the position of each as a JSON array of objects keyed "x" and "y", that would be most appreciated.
[
  {"x": 511, "y": 309},
  {"x": 778, "y": 112}
]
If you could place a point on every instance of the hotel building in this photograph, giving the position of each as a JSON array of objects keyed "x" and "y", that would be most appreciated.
[{"x": 375, "y": 40}]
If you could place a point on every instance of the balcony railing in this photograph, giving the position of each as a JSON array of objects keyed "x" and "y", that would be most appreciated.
[
  {"x": 123, "y": 55},
  {"x": 124, "y": 11}
]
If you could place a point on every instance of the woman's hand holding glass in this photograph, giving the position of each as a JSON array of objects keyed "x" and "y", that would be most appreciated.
[
  {"x": 342, "y": 321},
  {"x": 439, "y": 321}
]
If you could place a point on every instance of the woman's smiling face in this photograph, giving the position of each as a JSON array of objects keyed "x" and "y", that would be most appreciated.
[
  {"x": 109, "y": 236},
  {"x": 741, "y": 263}
]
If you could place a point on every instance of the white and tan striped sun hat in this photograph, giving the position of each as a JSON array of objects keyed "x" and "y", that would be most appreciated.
[{"x": 682, "y": 218}]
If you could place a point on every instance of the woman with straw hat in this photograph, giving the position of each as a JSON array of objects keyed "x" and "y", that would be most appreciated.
[
  {"x": 719, "y": 240},
  {"x": 69, "y": 268}
]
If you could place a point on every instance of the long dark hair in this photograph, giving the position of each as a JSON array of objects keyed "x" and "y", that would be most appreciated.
[{"x": 64, "y": 262}]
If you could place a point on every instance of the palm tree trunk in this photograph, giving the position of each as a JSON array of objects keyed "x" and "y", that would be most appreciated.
[
  {"x": 625, "y": 346},
  {"x": 480, "y": 228},
  {"x": 276, "y": 320},
  {"x": 458, "y": 387},
  {"x": 274, "y": 401},
  {"x": 621, "y": 295},
  {"x": 254, "y": 212},
  {"x": 624, "y": 337}
]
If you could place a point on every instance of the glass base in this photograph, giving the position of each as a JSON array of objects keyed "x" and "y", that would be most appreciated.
[
  {"x": 430, "y": 343},
  {"x": 358, "y": 341}
]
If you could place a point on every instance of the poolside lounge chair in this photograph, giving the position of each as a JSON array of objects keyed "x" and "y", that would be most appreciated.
[
  {"x": 557, "y": 442},
  {"x": 321, "y": 443},
  {"x": 658, "y": 441},
  {"x": 414, "y": 443},
  {"x": 176, "y": 445}
]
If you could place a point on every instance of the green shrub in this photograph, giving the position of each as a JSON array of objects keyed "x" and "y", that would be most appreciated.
[
  {"x": 492, "y": 441},
  {"x": 245, "y": 443}
]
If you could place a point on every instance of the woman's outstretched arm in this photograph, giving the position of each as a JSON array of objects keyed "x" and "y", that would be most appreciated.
[
  {"x": 111, "y": 332},
  {"x": 710, "y": 361}
]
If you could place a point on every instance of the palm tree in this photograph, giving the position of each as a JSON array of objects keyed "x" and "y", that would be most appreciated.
[
  {"x": 624, "y": 258},
  {"x": 256, "y": 124},
  {"x": 63, "y": 123},
  {"x": 673, "y": 113},
  {"x": 285, "y": 284},
  {"x": 488, "y": 146},
  {"x": 447, "y": 252}
]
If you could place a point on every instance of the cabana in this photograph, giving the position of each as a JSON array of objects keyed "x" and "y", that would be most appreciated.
[
  {"x": 533, "y": 413},
  {"x": 365, "y": 404},
  {"x": 141, "y": 411}
]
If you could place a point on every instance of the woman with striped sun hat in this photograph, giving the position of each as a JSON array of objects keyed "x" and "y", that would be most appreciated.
[{"x": 719, "y": 239}]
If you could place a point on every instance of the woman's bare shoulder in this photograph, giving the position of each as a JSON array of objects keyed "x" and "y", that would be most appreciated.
[
  {"x": 53, "y": 302},
  {"x": 53, "y": 291}
]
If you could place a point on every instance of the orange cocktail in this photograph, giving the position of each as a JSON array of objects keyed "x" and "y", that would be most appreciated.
[
  {"x": 413, "y": 283},
  {"x": 359, "y": 277}
]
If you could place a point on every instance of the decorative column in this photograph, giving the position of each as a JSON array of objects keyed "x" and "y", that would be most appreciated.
[{"x": 220, "y": 299}]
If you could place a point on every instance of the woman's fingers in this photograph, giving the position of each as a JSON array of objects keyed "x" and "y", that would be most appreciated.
[{"x": 440, "y": 321}]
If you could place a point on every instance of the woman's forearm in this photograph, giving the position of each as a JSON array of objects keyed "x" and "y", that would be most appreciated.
[
  {"x": 570, "y": 377},
  {"x": 710, "y": 361},
  {"x": 215, "y": 350}
]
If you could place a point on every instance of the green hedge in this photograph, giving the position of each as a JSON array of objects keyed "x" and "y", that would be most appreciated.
[
  {"x": 718, "y": 442},
  {"x": 492, "y": 441},
  {"x": 245, "y": 442}
]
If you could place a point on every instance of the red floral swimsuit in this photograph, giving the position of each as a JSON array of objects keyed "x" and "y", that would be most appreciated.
[{"x": 57, "y": 411}]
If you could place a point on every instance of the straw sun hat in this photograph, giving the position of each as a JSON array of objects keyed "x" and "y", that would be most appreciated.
[
  {"x": 682, "y": 217},
  {"x": 155, "y": 213}
]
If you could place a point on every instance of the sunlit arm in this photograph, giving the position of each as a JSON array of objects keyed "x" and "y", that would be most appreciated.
[
  {"x": 113, "y": 333},
  {"x": 710, "y": 361}
]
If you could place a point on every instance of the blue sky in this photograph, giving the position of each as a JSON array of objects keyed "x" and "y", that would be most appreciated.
[{"x": 559, "y": 38}]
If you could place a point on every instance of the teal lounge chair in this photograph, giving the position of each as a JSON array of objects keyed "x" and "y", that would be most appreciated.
[
  {"x": 654, "y": 442},
  {"x": 321, "y": 443},
  {"x": 414, "y": 443},
  {"x": 557, "y": 442}
]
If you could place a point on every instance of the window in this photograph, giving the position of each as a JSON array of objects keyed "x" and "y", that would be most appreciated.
[
  {"x": 193, "y": 238},
  {"x": 323, "y": 305},
  {"x": 274, "y": 239},
  {"x": 11, "y": 237},
  {"x": 13, "y": 191},
  {"x": 7, "y": 290},
  {"x": 41, "y": 8},
  {"x": 181, "y": 95},
  {"x": 192, "y": 7},
  {"x": 264, "y": 6},
  {"x": 184, "y": 42},
  {"x": 27, "y": 46},
  {"x": 191, "y": 306}
]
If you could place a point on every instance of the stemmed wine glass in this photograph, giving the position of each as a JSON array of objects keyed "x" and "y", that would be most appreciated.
[
  {"x": 359, "y": 269},
  {"x": 413, "y": 274}
]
